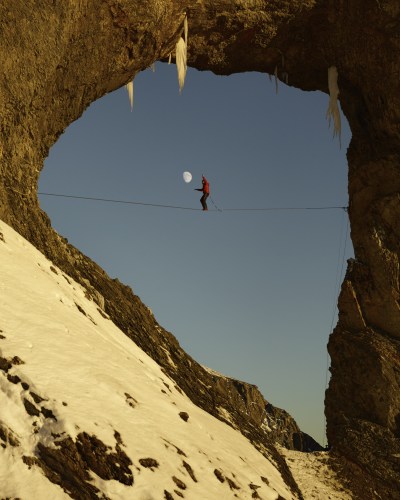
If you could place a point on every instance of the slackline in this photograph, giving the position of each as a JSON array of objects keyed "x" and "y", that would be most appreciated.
[{"x": 129, "y": 202}]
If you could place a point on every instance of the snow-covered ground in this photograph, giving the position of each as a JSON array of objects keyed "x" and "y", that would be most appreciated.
[
  {"x": 313, "y": 475},
  {"x": 90, "y": 378}
]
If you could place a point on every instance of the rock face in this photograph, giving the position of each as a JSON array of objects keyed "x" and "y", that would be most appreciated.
[{"x": 58, "y": 57}]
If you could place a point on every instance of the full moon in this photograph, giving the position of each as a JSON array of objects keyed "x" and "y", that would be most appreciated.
[{"x": 187, "y": 177}]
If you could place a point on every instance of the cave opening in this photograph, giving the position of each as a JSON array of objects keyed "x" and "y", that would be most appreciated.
[{"x": 249, "y": 294}]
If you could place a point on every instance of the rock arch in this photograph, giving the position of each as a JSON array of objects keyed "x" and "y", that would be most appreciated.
[{"x": 58, "y": 57}]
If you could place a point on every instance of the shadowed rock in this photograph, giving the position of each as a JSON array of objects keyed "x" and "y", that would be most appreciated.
[{"x": 68, "y": 464}]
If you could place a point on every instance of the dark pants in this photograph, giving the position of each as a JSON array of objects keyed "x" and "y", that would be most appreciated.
[{"x": 203, "y": 201}]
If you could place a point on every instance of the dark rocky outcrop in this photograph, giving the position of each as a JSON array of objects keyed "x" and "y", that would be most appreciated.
[
  {"x": 68, "y": 464},
  {"x": 7, "y": 436},
  {"x": 285, "y": 431},
  {"x": 58, "y": 57}
]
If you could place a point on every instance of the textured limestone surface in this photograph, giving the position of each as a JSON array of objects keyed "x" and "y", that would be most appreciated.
[{"x": 57, "y": 57}]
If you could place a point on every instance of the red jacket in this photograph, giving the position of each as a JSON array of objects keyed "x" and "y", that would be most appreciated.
[{"x": 206, "y": 185}]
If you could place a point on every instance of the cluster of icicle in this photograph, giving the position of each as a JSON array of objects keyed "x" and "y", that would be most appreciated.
[
  {"x": 181, "y": 62},
  {"x": 332, "y": 113},
  {"x": 333, "y": 108}
]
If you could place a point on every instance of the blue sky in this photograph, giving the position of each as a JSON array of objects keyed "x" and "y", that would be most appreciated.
[{"x": 249, "y": 294}]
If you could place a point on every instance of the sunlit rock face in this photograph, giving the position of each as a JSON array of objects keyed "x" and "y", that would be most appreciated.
[{"x": 58, "y": 57}]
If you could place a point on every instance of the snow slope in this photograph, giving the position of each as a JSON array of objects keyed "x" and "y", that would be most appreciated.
[{"x": 91, "y": 378}]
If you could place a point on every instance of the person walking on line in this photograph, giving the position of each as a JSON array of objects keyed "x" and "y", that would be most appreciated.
[{"x": 206, "y": 192}]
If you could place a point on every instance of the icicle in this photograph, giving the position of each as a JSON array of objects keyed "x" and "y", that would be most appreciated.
[
  {"x": 276, "y": 78},
  {"x": 185, "y": 30},
  {"x": 181, "y": 62},
  {"x": 285, "y": 74},
  {"x": 129, "y": 88},
  {"x": 170, "y": 58},
  {"x": 153, "y": 67},
  {"x": 333, "y": 108},
  {"x": 181, "y": 55}
]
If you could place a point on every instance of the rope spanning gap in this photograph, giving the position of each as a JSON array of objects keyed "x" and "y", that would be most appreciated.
[
  {"x": 217, "y": 209},
  {"x": 281, "y": 208},
  {"x": 127, "y": 202}
]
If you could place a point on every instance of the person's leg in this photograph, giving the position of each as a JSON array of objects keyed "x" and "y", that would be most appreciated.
[{"x": 203, "y": 201}]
